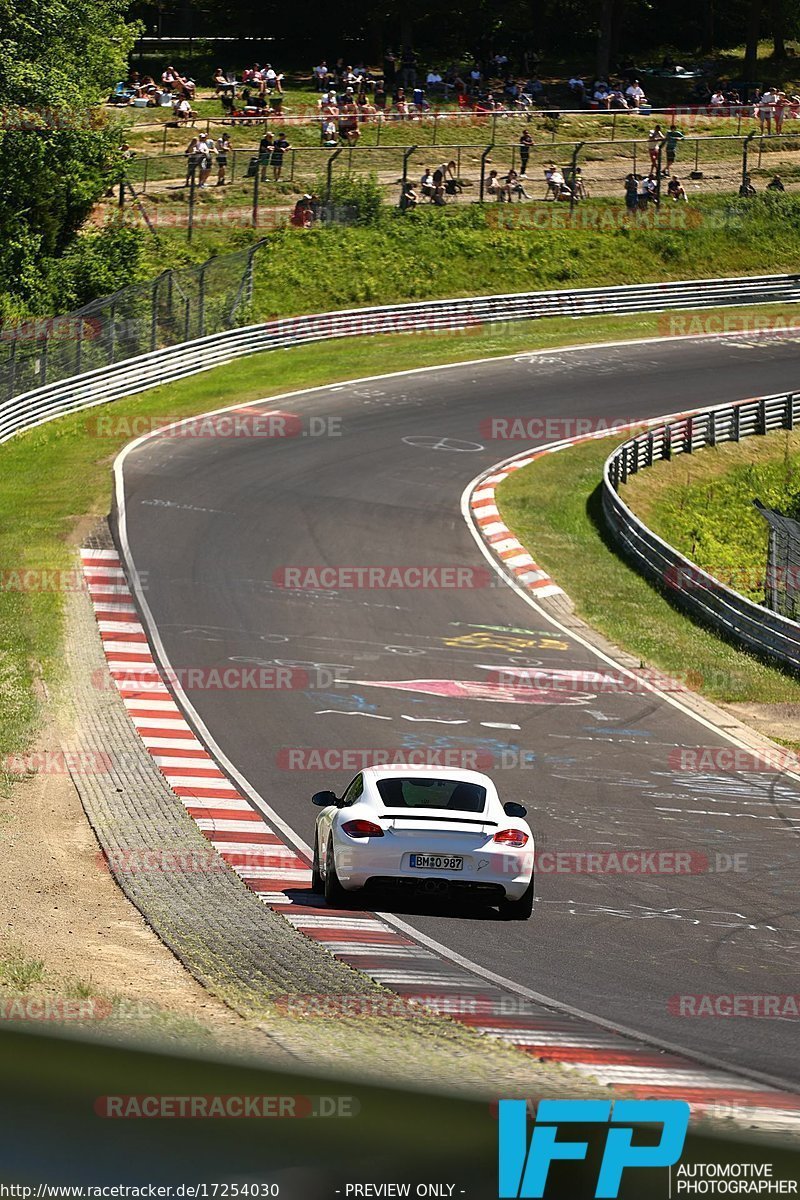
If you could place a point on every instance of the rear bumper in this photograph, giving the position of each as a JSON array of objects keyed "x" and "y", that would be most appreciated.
[{"x": 493, "y": 874}]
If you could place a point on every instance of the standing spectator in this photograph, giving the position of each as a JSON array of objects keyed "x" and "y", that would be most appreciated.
[
  {"x": 631, "y": 193},
  {"x": 205, "y": 149},
  {"x": 671, "y": 139},
  {"x": 655, "y": 138},
  {"x": 389, "y": 71},
  {"x": 452, "y": 184},
  {"x": 781, "y": 105},
  {"x": 525, "y": 144},
  {"x": 764, "y": 107},
  {"x": 408, "y": 67},
  {"x": 223, "y": 148},
  {"x": 265, "y": 151},
  {"x": 636, "y": 97},
  {"x": 278, "y": 150},
  {"x": 193, "y": 157}
]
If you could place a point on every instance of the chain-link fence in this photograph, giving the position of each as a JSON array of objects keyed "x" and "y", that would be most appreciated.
[
  {"x": 180, "y": 304},
  {"x": 782, "y": 584}
]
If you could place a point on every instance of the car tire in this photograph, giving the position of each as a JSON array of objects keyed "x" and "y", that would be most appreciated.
[
  {"x": 335, "y": 895},
  {"x": 518, "y": 910},
  {"x": 317, "y": 882}
]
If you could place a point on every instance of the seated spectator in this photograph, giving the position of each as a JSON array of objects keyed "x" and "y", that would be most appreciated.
[
  {"x": 183, "y": 111},
  {"x": 717, "y": 99},
  {"x": 776, "y": 184},
  {"x": 434, "y": 83},
  {"x": 534, "y": 88},
  {"x": 272, "y": 80},
  {"x": 616, "y": 99},
  {"x": 649, "y": 190},
  {"x": 348, "y": 124},
  {"x": 439, "y": 197},
  {"x": 320, "y": 76},
  {"x": 220, "y": 82},
  {"x": 514, "y": 187},
  {"x": 555, "y": 181},
  {"x": 419, "y": 101},
  {"x": 329, "y": 136},
  {"x": 426, "y": 183},
  {"x": 169, "y": 78},
  {"x": 676, "y": 190},
  {"x": 578, "y": 89},
  {"x": 408, "y": 197},
  {"x": 747, "y": 188},
  {"x": 601, "y": 94},
  {"x": 496, "y": 188},
  {"x": 636, "y": 97}
]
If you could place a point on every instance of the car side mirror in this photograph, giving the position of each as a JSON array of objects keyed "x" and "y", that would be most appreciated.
[
  {"x": 324, "y": 799},
  {"x": 515, "y": 810}
]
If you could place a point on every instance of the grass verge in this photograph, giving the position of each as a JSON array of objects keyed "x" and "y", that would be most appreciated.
[
  {"x": 553, "y": 507},
  {"x": 702, "y": 504}
]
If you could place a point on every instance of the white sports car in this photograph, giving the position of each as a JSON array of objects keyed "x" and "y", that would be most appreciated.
[{"x": 425, "y": 830}]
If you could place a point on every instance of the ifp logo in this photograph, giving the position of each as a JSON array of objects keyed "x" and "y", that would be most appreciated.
[{"x": 524, "y": 1169}]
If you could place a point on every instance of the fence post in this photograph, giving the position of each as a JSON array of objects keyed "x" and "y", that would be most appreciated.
[
  {"x": 624, "y": 464},
  {"x": 112, "y": 321},
  {"x": 12, "y": 366},
  {"x": 788, "y": 422},
  {"x": 762, "y": 415},
  {"x": 711, "y": 434},
  {"x": 688, "y": 436},
  {"x": 329, "y": 185},
  {"x": 190, "y": 227},
  {"x": 406, "y": 156},
  {"x": 154, "y": 313},
  {"x": 736, "y": 423},
  {"x": 666, "y": 452},
  {"x": 201, "y": 301},
  {"x": 164, "y": 143},
  {"x": 745, "y": 149},
  {"x": 484, "y": 157},
  {"x": 256, "y": 178}
]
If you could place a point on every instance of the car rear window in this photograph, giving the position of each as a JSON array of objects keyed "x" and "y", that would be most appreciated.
[{"x": 414, "y": 792}]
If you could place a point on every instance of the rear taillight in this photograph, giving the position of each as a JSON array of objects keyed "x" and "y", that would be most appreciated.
[
  {"x": 362, "y": 829},
  {"x": 510, "y": 837}
]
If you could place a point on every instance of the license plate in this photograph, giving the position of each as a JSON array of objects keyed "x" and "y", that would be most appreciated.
[{"x": 437, "y": 862}]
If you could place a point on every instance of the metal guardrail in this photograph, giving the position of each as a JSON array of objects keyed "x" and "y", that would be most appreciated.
[
  {"x": 135, "y": 373},
  {"x": 757, "y": 628}
]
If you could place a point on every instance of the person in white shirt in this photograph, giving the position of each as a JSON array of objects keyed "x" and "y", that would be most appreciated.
[
  {"x": 205, "y": 149},
  {"x": 320, "y": 74},
  {"x": 602, "y": 95},
  {"x": 636, "y": 96},
  {"x": 717, "y": 100},
  {"x": 764, "y": 107}
]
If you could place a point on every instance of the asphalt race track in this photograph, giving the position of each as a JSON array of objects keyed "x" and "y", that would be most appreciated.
[{"x": 212, "y": 522}]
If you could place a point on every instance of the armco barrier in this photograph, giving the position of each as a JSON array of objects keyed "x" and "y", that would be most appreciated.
[
  {"x": 130, "y": 375},
  {"x": 758, "y": 629}
]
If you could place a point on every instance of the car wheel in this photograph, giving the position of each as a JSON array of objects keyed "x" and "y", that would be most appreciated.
[
  {"x": 518, "y": 910},
  {"x": 335, "y": 895},
  {"x": 317, "y": 882}
]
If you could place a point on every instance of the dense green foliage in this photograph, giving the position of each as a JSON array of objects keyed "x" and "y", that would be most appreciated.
[{"x": 57, "y": 60}]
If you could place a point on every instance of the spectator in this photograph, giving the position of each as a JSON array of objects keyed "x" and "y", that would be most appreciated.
[
  {"x": 379, "y": 96},
  {"x": 578, "y": 89},
  {"x": 631, "y": 193},
  {"x": 495, "y": 188},
  {"x": 747, "y": 189},
  {"x": 193, "y": 158},
  {"x": 514, "y": 187},
  {"x": 408, "y": 67},
  {"x": 764, "y": 107},
  {"x": 439, "y": 197},
  {"x": 655, "y": 140},
  {"x": 671, "y": 139},
  {"x": 329, "y": 137},
  {"x": 279, "y": 148},
  {"x": 408, "y": 197},
  {"x": 426, "y": 183},
  {"x": 717, "y": 101},
  {"x": 525, "y": 144},
  {"x": 301, "y": 216},
  {"x": 419, "y": 101},
  {"x": 781, "y": 105},
  {"x": 348, "y": 124},
  {"x": 169, "y": 78},
  {"x": 601, "y": 95},
  {"x": 434, "y": 82},
  {"x": 649, "y": 190},
  {"x": 776, "y": 184},
  {"x": 272, "y": 80},
  {"x": 265, "y": 150},
  {"x": 676, "y": 190},
  {"x": 223, "y": 148},
  {"x": 221, "y": 84},
  {"x": 320, "y": 76},
  {"x": 389, "y": 71},
  {"x": 555, "y": 181},
  {"x": 183, "y": 110},
  {"x": 636, "y": 97},
  {"x": 616, "y": 99},
  {"x": 205, "y": 149},
  {"x": 452, "y": 184}
]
